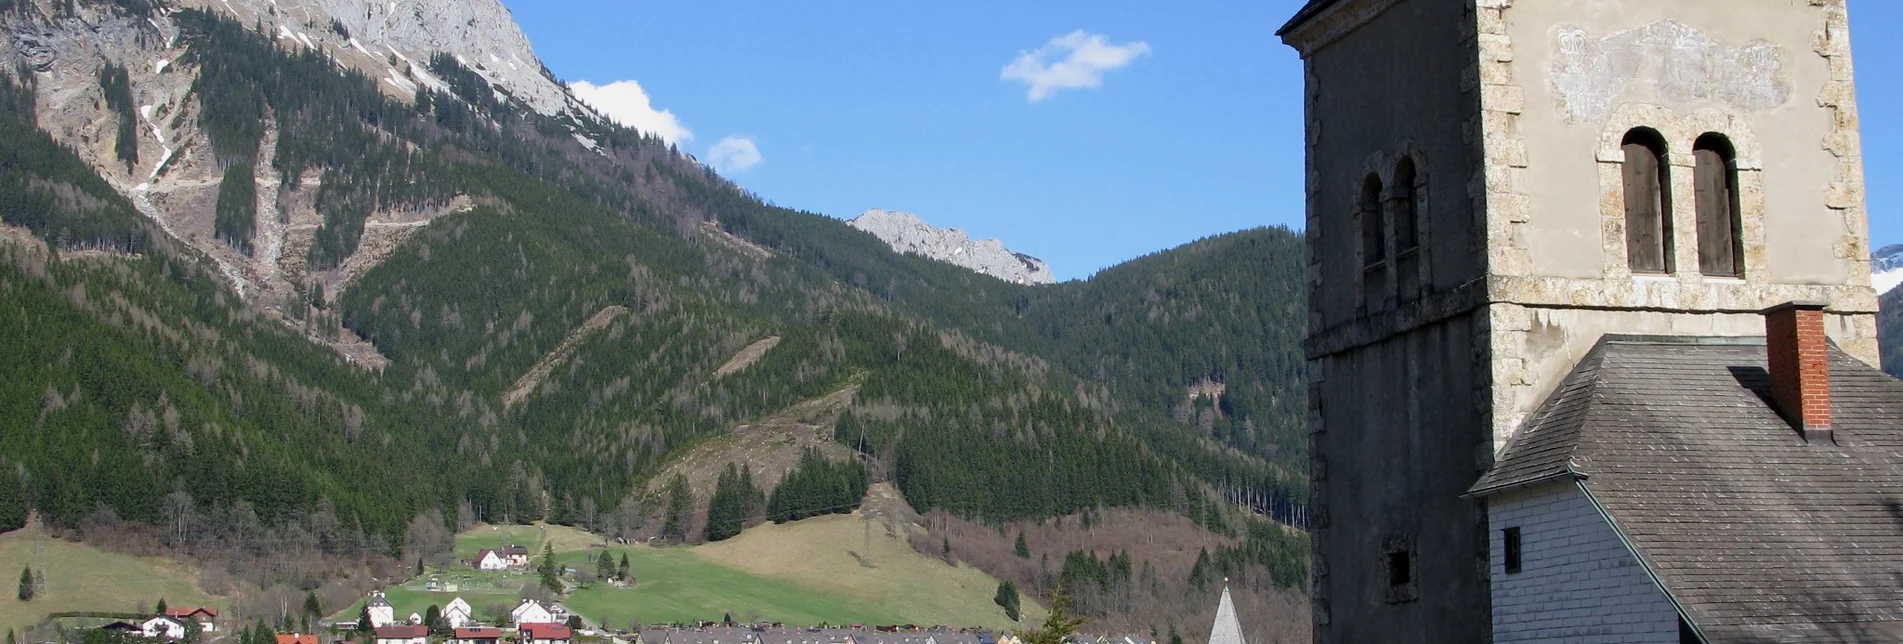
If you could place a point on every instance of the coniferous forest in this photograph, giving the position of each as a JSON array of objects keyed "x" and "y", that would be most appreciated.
[{"x": 150, "y": 390}]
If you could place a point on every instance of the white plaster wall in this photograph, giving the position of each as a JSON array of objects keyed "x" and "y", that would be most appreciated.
[
  {"x": 1578, "y": 582},
  {"x": 1564, "y": 187}
]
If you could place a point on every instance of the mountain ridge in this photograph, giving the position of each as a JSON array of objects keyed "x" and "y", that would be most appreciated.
[{"x": 907, "y": 233}]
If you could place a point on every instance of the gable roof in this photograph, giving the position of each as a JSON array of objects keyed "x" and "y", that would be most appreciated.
[
  {"x": 1757, "y": 535},
  {"x": 477, "y": 633},
  {"x": 296, "y": 638},
  {"x": 545, "y": 631},
  {"x": 402, "y": 632},
  {"x": 188, "y": 611}
]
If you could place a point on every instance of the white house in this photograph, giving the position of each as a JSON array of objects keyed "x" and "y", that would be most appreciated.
[
  {"x": 531, "y": 612},
  {"x": 206, "y": 617},
  {"x": 163, "y": 626},
  {"x": 491, "y": 560},
  {"x": 415, "y": 618},
  {"x": 458, "y": 613},
  {"x": 381, "y": 612},
  {"x": 517, "y": 556},
  {"x": 403, "y": 635}
]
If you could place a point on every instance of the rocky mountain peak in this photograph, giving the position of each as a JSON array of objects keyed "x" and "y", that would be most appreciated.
[
  {"x": 906, "y": 233},
  {"x": 481, "y": 34}
]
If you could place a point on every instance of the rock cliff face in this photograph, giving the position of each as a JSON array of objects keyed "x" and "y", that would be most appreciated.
[
  {"x": 480, "y": 33},
  {"x": 906, "y": 233}
]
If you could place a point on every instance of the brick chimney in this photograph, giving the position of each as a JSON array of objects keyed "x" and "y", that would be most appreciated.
[{"x": 1799, "y": 366}]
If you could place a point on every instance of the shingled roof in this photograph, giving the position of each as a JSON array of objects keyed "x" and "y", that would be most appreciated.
[{"x": 1757, "y": 535}]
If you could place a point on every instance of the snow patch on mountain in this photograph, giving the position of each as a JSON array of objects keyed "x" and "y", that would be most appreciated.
[
  {"x": 906, "y": 233},
  {"x": 1886, "y": 268}
]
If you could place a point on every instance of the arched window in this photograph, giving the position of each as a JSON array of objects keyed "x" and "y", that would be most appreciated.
[
  {"x": 1374, "y": 247},
  {"x": 1715, "y": 185},
  {"x": 1648, "y": 202},
  {"x": 1407, "y": 214}
]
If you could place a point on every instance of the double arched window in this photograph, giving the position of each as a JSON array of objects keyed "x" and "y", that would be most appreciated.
[
  {"x": 1390, "y": 219},
  {"x": 1651, "y": 244}
]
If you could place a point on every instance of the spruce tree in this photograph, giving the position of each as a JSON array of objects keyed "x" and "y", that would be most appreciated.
[
  {"x": 1007, "y": 599},
  {"x": 26, "y": 584},
  {"x": 160, "y": 608},
  {"x": 1024, "y": 550},
  {"x": 313, "y": 610},
  {"x": 549, "y": 570},
  {"x": 1059, "y": 626},
  {"x": 621, "y": 572},
  {"x": 605, "y": 566}
]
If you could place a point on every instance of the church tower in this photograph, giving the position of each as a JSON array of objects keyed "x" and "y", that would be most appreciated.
[{"x": 1494, "y": 185}]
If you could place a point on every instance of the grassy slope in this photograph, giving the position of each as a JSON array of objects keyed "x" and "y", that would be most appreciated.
[
  {"x": 83, "y": 578},
  {"x": 800, "y": 573},
  {"x": 895, "y": 578}
]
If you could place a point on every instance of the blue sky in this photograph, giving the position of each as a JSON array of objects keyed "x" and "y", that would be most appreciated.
[{"x": 1192, "y": 127}]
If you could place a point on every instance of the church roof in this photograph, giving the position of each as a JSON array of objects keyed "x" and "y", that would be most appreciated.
[
  {"x": 1758, "y": 536},
  {"x": 1226, "y": 630}
]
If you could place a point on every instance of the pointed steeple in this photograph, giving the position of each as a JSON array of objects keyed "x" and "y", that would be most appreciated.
[{"x": 1227, "y": 630}]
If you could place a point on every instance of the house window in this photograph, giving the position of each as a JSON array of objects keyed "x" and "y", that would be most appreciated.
[
  {"x": 1648, "y": 202},
  {"x": 1511, "y": 538},
  {"x": 1408, "y": 208},
  {"x": 1374, "y": 247},
  {"x": 1715, "y": 186}
]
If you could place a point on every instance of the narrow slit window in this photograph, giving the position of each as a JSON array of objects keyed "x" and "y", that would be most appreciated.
[
  {"x": 1400, "y": 568},
  {"x": 1648, "y": 202},
  {"x": 1715, "y": 184},
  {"x": 1408, "y": 213},
  {"x": 1510, "y": 539},
  {"x": 1374, "y": 245}
]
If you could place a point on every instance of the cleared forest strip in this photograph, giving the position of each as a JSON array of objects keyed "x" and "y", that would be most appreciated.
[{"x": 529, "y": 380}]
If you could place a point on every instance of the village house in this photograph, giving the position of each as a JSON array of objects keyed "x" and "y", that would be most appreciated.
[
  {"x": 205, "y": 617},
  {"x": 458, "y": 613},
  {"x": 490, "y": 559},
  {"x": 542, "y": 633},
  {"x": 296, "y": 638},
  {"x": 402, "y": 635},
  {"x": 381, "y": 612},
  {"x": 476, "y": 635},
  {"x": 516, "y": 556},
  {"x": 163, "y": 627},
  {"x": 531, "y": 612}
]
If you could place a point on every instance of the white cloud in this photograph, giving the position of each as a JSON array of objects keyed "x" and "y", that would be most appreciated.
[
  {"x": 626, "y": 103},
  {"x": 734, "y": 154},
  {"x": 1073, "y": 60}
]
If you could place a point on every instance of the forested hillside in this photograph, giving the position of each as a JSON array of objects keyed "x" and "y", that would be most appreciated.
[{"x": 553, "y": 342}]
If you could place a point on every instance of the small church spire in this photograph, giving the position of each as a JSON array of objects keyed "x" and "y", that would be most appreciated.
[{"x": 1227, "y": 630}]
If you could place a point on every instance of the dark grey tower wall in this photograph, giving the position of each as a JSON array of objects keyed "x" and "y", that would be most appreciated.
[{"x": 1397, "y": 356}]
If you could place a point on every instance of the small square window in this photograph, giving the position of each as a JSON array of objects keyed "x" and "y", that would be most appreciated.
[
  {"x": 1399, "y": 572},
  {"x": 1511, "y": 538}
]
